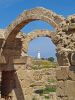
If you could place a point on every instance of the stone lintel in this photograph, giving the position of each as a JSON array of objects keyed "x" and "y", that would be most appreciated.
[
  {"x": 11, "y": 65},
  {"x": 21, "y": 60}
]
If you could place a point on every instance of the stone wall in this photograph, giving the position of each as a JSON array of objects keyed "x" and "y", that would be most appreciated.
[
  {"x": 65, "y": 74},
  {"x": 28, "y": 81},
  {"x": 66, "y": 83}
]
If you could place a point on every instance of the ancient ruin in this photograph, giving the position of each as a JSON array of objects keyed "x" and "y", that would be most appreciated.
[{"x": 14, "y": 46}]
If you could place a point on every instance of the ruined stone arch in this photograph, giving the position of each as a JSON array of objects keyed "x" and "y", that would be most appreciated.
[
  {"x": 38, "y": 33},
  {"x": 31, "y": 15},
  {"x": 33, "y": 35}
]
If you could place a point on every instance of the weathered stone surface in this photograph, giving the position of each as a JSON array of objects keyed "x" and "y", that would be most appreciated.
[
  {"x": 62, "y": 58},
  {"x": 70, "y": 89},
  {"x": 72, "y": 73},
  {"x": 73, "y": 59},
  {"x": 66, "y": 88},
  {"x": 2, "y": 31},
  {"x": 21, "y": 60},
  {"x": 38, "y": 33},
  {"x": 6, "y": 90},
  {"x": 62, "y": 73},
  {"x": 67, "y": 41},
  {"x": 34, "y": 14},
  {"x": 61, "y": 89},
  {"x": 35, "y": 34}
]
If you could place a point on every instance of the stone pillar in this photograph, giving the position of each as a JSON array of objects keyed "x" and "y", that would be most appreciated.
[
  {"x": 22, "y": 91},
  {"x": 7, "y": 84}
]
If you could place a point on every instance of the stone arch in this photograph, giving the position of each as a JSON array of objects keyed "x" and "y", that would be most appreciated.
[
  {"x": 34, "y": 35},
  {"x": 38, "y": 33},
  {"x": 31, "y": 15}
]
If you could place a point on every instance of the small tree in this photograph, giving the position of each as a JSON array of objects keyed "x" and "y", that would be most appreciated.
[
  {"x": 43, "y": 58},
  {"x": 51, "y": 59}
]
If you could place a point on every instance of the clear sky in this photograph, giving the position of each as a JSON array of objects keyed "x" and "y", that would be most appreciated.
[{"x": 10, "y": 9}]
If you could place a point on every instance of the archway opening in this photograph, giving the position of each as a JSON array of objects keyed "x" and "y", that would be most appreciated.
[
  {"x": 47, "y": 62},
  {"x": 44, "y": 80},
  {"x": 45, "y": 45},
  {"x": 37, "y": 25}
]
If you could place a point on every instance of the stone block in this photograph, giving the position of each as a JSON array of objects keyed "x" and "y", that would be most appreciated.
[
  {"x": 72, "y": 72},
  {"x": 70, "y": 89},
  {"x": 62, "y": 73},
  {"x": 72, "y": 26},
  {"x": 21, "y": 60},
  {"x": 61, "y": 89}
]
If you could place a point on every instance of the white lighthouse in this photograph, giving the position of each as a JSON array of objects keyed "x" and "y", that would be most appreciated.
[{"x": 38, "y": 55}]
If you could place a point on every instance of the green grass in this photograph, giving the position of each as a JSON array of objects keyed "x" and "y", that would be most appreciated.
[
  {"x": 39, "y": 64},
  {"x": 46, "y": 90}
]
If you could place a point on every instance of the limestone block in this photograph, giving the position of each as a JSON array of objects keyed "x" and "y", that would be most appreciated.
[
  {"x": 72, "y": 73},
  {"x": 29, "y": 60},
  {"x": 24, "y": 83},
  {"x": 21, "y": 74},
  {"x": 11, "y": 52},
  {"x": 21, "y": 60},
  {"x": 70, "y": 89},
  {"x": 19, "y": 66},
  {"x": 62, "y": 73},
  {"x": 62, "y": 57},
  {"x": 73, "y": 38},
  {"x": 72, "y": 26},
  {"x": 61, "y": 89}
]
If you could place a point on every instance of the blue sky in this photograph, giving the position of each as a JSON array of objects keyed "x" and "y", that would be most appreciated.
[{"x": 10, "y": 9}]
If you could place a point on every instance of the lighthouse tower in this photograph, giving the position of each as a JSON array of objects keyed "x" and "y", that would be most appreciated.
[{"x": 38, "y": 55}]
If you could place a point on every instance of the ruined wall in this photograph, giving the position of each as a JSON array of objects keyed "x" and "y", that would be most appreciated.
[{"x": 65, "y": 74}]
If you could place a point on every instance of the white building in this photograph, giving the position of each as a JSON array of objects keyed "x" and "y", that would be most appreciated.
[{"x": 38, "y": 55}]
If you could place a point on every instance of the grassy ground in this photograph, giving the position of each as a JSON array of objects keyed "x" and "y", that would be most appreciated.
[
  {"x": 39, "y": 64},
  {"x": 50, "y": 86},
  {"x": 45, "y": 90}
]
